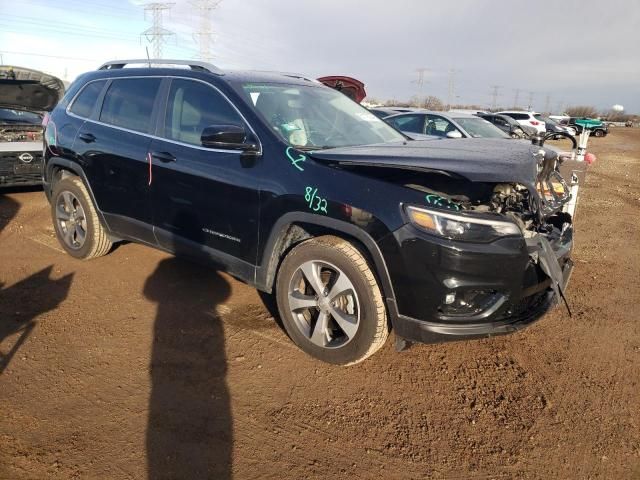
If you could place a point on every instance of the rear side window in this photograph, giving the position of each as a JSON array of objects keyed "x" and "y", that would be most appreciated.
[
  {"x": 129, "y": 102},
  {"x": 518, "y": 116},
  {"x": 86, "y": 101},
  {"x": 191, "y": 107},
  {"x": 408, "y": 123}
]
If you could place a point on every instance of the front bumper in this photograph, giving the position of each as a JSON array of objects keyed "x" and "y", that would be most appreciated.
[
  {"x": 425, "y": 270},
  {"x": 523, "y": 314}
]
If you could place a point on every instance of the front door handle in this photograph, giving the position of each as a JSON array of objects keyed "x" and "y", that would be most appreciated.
[
  {"x": 165, "y": 157},
  {"x": 87, "y": 137}
]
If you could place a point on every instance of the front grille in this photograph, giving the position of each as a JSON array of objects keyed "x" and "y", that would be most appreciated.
[
  {"x": 527, "y": 305},
  {"x": 8, "y": 174},
  {"x": 22, "y": 179}
]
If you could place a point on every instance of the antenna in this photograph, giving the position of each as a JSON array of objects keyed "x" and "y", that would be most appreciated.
[
  {"x": 156, "y": 33},
  {"x": 148, "y": 57}
]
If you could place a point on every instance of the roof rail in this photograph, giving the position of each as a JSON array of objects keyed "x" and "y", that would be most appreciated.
[{"x": 193, "y": 64}]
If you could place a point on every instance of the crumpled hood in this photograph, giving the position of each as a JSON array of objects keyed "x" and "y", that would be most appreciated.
[
  {"x": 26, "y": 89},
  {"x": 477, "y": 159}
]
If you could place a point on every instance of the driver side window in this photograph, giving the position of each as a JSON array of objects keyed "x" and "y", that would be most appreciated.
[{"x": 191, "y": 107}]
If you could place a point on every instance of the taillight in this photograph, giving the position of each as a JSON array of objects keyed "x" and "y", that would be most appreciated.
[
  {"x": 45, "y": 119},
  {"x": 534, "y": 123}
]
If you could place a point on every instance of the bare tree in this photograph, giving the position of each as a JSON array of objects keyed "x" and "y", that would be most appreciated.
[
  {"x": 429, "y": 102},
  {"x": 582, "y": 111}
]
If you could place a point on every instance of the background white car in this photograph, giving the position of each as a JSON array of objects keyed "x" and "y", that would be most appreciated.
[{"x": 526, "y": 118}]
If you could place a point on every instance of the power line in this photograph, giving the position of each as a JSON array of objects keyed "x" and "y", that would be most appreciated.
[
  {"x": 156, "y": 34},
  {"x": 204, "y": 36},
  {"x": 49, "y": 56}
]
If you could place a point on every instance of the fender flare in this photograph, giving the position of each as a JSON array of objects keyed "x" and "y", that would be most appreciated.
[
  {"x": 266, "y": 270},
  {"x": 76, "y": 168}
]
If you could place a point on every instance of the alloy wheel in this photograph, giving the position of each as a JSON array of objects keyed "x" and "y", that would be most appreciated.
[
  {"x": 324, "y": 304},
  {"x": 71, "y": 219}
]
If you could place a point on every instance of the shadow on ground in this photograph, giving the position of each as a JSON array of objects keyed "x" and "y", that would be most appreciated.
[
  {"x": 33, "y": 296},
  {"x": 8, "y": 209},
  {"x": 189, "y": 433}
]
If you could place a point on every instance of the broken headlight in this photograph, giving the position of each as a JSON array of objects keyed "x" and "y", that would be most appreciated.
[{"x": 461, "y": 227}]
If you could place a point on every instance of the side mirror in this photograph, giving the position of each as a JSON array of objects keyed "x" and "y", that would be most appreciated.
[
  {"x": 228, "y": 137},
  {"x": 454, "y": 134}
]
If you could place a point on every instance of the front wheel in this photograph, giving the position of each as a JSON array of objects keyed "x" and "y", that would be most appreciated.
[
  {"x": 598, "y": 133},
  {"x": 329, "y": 301}
]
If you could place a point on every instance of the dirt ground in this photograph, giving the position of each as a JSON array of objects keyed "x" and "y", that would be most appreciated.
[{"x": 140, "y": 365}]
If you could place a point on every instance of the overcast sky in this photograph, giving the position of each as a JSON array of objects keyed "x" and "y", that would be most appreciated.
[{"x": 573, "y": 52}]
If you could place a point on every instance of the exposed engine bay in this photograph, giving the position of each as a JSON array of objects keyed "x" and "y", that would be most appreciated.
[{"x": 20, "y": 133}]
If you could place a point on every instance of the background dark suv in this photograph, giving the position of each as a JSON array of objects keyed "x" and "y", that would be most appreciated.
[{"x": 291, "y": 186}]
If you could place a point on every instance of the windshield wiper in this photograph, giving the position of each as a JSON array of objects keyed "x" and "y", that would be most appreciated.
[{"x": 312, "y": 148}]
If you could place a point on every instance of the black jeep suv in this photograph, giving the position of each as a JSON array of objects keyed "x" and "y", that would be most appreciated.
[{"x": 294, "y": 188}]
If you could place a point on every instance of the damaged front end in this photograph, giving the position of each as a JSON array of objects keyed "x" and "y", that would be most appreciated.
[
  {"x": 536, "y": 207},
  {"x": 486, "y": 241}
]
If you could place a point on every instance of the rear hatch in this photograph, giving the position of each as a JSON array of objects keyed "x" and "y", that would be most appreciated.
[
  {"x": 25, "y": 89},
  {"x": 352, "y": 88}
]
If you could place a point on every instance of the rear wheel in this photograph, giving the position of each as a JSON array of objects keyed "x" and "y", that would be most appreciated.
[
  {"x": 76, "y": 221},
  {"x": 598, "y": 133},
  {"x": 330, "y": 303}
]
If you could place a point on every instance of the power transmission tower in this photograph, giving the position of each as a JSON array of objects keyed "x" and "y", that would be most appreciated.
[
  {"x": 494, "y": 95},
  {"x": 204, "y": 36},
  {"x": 531, "y": 95},
  {"x": 547, "y": 104},
  {"x": 516, "y": 98},
  {"x": 451, "y": 94},
  {"x": 156, "y": 34},
  {"x": 420, "y": 80}
]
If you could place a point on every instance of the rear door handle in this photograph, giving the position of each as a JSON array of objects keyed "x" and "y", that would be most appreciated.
[
  {"x": 165, "y": 157},
  {"x": 87, "y": 137}
]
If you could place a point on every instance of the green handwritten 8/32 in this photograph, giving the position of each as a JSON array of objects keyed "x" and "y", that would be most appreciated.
[{"x": 316, "y": 203}]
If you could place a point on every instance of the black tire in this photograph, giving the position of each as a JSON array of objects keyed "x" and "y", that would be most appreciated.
[
  {"x": 95, "y": 242},
  {"x": 372, "y": 326},
  {"x": 598, "y": 133}
]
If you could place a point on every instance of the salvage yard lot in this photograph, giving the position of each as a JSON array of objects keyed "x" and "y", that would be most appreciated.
[{"x": 138, "y": 364}]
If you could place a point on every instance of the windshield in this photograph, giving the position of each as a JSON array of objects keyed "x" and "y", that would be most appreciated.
[
  {"x": 8, "y": 115},
  {"x": 313, "y": 117},
  {"x": 480, "y": 128}
]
